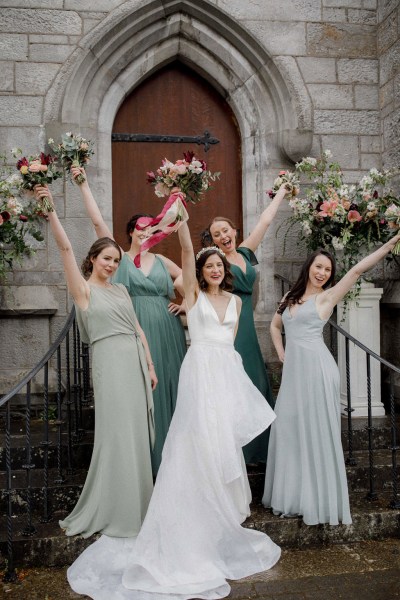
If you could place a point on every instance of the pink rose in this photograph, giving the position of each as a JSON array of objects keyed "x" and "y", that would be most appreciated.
[
  {"x": 84, "y": 146},
  {"x": 354, "y": 216},
  {"x": 282, "y": 173}
]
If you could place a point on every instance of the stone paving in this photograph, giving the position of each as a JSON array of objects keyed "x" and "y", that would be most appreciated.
[{"x": 362, "y": 571}]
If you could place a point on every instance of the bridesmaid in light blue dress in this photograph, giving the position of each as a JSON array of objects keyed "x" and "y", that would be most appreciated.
[{"x": 306, "y": 473}]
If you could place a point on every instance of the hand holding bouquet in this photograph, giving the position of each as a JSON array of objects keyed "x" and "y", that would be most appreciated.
[
  {"x": 392, "y": 216},
  {"x": 38, "y": 170},
  {"x": 291, "y": 181},
  {"x": 189, "y": 176},
  {"x": 73, "y": 151}
]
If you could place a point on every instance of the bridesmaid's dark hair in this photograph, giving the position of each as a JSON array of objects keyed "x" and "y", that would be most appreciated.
[
  {"x": 131, "y": 224},
  {"x": 206, "y": 237},
  {"x": 227, "y": 282},
  {"x": 297, "y": 290},
  {"x": 94, "y": 251}
]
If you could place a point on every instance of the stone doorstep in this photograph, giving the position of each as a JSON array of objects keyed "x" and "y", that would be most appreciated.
[{"x": 371, "y": 521}]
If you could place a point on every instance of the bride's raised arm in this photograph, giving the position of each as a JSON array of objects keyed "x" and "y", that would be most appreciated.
[{"x": 190, "y": 284}]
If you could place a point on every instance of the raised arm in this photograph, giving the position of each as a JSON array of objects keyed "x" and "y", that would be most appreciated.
[
  {"x": 77, "y": 285},
  {"x": 332, "y": 296},
  {"x": 102, "y": 229},
  {"x": 190, "y": 285},
  {"x": 267, "y": 216}
]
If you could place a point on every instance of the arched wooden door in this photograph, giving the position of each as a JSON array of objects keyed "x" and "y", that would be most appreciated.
[{"x": 174, "y": 101}]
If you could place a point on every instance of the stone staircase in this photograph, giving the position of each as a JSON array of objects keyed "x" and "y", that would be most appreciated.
[{"x": 49, "y": 546}]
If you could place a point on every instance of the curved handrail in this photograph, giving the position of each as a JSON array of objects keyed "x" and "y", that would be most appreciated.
[
  {"x": 42, "y": 362},
  {"x": 349, "y": 336}
]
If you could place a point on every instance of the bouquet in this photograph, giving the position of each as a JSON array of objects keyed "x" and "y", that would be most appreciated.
[
  {"x": 37, "y": 170},
  {"x": 73, "y": 151},
  {"x": 344, "y": 219},
  {"x": 291, "y": 180},
  {"x": 18, "y": 221},
  {"x": 392, "y": 215},
  {"x": 189, "y": 176}
]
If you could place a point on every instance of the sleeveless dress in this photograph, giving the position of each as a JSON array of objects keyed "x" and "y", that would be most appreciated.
[
  {"x": 246, "y": 343},
  {"x": 306, "y": 473},
  {"x": 192, "y": 540},
  {"x": 119, "y": 482},
  {"x": 165, "y": 335}
]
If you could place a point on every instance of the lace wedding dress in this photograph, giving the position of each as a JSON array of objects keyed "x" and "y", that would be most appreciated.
[{"x": 192, "y": 541}]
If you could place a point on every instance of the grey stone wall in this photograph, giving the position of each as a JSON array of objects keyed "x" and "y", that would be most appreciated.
[{"x": 300, "y": 76}]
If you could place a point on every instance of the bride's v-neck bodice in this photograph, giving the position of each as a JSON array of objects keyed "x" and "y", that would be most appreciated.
[{"x": 205, "y": 326}]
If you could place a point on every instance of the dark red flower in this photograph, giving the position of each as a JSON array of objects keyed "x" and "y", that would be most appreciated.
[
  {"x": 375, "y": 194},
  {"x": 46, "y": 159},
  {"x": 188, "y": 156},
  {"x": 270, "y": 193},
  {"x": 22, "y": 161},
  {"x": 151, "y": 178},
  {"x": 203, "y": 164},
  {"x": 6, "y": 215},
  {"x": 23, "y": 218}
]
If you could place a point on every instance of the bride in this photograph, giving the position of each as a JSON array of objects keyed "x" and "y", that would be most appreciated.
[{"x": 192, "y": 541}]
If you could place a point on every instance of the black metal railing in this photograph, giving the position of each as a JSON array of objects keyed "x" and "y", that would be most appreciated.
[
  {"x": 67, "y": 360},
  {"x": 393, "y": 371}
]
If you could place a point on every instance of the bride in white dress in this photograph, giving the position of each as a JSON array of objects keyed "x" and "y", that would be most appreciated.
[{"x": 192, "y": 541}]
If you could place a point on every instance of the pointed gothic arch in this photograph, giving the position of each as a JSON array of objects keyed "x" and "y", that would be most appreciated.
[{"x": 271, "y": 104}]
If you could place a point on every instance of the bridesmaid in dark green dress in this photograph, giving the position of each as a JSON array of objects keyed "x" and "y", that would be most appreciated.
[
  {"x": 222, "y": 232},
  {"x": 151, "y": 288}
]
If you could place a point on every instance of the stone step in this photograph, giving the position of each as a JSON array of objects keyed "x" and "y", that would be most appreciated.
[
  {"x": 357, "y": 475},
  {"x": 381, "y": 434},
  {"x": 48, "y": 546},
  {"x": 65, "y": 493}
]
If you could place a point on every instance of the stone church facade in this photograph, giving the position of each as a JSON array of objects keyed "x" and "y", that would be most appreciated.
[{"x": 299, "y": 75}]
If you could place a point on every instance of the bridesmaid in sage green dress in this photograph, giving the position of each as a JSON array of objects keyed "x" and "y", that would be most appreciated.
[
  {"x": 119, "y": 482},
  {"x": 222, "y": 232},
  {"x": 151, "y": 288}
]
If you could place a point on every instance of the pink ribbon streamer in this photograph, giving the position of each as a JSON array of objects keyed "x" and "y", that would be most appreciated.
[{"x": 173, "y": 214}]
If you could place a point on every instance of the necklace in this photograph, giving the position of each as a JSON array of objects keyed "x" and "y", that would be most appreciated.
[{"x": 219, "y": 293}]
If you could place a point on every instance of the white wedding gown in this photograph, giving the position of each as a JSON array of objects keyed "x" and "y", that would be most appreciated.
[{"x": 191, "y": 540}]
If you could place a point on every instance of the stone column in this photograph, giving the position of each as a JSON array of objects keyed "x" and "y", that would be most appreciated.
[{"x": 362, "y": 321}]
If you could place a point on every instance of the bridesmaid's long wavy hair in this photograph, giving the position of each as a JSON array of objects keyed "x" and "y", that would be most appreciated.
[
  {"x": 94, "y": 251},
  {"x": 296, "y": 292},
  {"x": 226, "y": 283}
]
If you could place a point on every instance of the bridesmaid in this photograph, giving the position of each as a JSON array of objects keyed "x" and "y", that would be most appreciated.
[
  {"x": 119, "y": 482},
  {"x": 150, "y": 287},
  {"x": 306, "y": 475},
  {"x": 222, "y": 232}
]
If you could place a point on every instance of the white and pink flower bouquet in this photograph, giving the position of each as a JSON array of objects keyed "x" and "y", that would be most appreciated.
[
  {"x": 73, "y": 151},
  {"x": 188, "y": 175},
  {"x": 346, "y": 220},
  {"x": 40, "y": 169},
  {"x": 291, "y": 181},
  {"x": 19, "y": 221},
  {"x": 392, "y": 216}
]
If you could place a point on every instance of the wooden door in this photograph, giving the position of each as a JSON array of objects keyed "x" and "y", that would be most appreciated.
[{"x": 175, "y": 101}]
